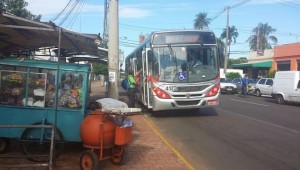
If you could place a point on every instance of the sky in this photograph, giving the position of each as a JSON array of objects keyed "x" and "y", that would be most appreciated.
[{"x": 143, "y": 17}]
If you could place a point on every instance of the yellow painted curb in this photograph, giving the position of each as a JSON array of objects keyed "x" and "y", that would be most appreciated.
[{"x": 150, "y": 124}]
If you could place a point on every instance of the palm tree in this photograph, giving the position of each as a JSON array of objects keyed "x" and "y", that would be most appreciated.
[
  {"x": 260, "y": 37},
  {"x": 232, "y": 35},
  {"x": 201, "y": 22}
]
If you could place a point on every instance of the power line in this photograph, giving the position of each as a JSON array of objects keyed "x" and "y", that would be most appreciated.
[
  {"x": 216, "y": 16},
  {"x": 62, "y": 10},
  {"x": 239, "y": 4},
  {"x": 74, "y": 18},
  {"x": 232, "y": 6},
  {"x": 289, "y": 4}
]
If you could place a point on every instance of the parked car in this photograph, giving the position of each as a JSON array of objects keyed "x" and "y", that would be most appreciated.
[
  {"x": 238, "y": 83},
  {"x": 263, "y": 87},
  {"x": 227, "y": 86},
  {"x": 286, "y": 86}
]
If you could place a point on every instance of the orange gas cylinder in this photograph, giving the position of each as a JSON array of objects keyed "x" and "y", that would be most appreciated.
[{"x": 96, "y": 127}]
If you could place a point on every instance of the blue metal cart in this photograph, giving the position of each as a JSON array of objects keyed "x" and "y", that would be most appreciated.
[{"x": 28, "y": 91}]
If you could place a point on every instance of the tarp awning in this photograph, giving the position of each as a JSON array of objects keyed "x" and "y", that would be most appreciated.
[
  {"x": 18, "y": 34},
  {"x": 265, "y": 64}
]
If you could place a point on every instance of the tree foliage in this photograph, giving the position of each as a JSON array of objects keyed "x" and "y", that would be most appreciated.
[
  {"x": 233, "y": 75},
  {"x": 271, "y": 74},
  {"x": 236, "y": 61},
  {"x": 261, "y": 36},
  {"x": 18, "y": 8},
  {"x": 99, "y": 68},
  {"x": 232, "y": 36},
  {"x": 201, "y": 22}
]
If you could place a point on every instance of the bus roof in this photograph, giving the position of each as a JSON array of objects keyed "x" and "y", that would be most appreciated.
[{"x": 150, "y": 37}]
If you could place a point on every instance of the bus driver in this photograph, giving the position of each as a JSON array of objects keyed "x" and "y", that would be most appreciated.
[{"x": 193, "y": 60}]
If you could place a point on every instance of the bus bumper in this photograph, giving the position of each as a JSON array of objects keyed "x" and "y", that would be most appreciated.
[{"x": 177, "y": 104}]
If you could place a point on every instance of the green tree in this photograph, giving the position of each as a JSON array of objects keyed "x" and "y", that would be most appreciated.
[
  {"x": 271, "y": 74},
  {"x": 99, "y": 68},
  {"x": 236, "y": 61},
  {"x": 233, "y": 75},
  {"x": 18, "y": 8},
  {"x": 232, "y": 36},
  {"x": 261, "y": 36},
  {"x": 201, "y": 22}
]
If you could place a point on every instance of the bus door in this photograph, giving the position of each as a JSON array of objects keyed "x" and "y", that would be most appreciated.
[
  {"x": 148, "y": 67},
  {"x": 144, "y": 79},
  {"x": 133, "y": 65}
]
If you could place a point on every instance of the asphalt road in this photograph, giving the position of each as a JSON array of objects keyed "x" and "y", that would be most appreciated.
[{"x": 240, "y": 134}]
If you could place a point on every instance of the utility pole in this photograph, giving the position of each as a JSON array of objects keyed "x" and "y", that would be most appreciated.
[
  {"x": 105, "y": 29},
  {"x": 113, "y": 50},
  {"x": 226, "y": 43}
]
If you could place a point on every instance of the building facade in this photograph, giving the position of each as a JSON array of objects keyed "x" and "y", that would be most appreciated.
[
  {"x": 286, "y": 57},
  {"x": 258, "y": 64}
]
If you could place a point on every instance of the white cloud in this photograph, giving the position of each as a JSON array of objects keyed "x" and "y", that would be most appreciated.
[
  {"x": 48, "y": 8},
  {"x": 132, "y": 12},
  {"x": 269, "y": 1}
]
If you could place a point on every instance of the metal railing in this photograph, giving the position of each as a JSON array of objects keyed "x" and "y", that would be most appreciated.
[{"x": 49, "y": 164}]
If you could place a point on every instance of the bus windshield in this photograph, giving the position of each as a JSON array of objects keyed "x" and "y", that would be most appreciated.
[{"x": 188, "y": 64}]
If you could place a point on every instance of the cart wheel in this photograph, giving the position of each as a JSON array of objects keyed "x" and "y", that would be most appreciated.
[
  {"x": 4, "y": 144},
  {"x": 118, "y": 155},
  {"x": 34, "y": 143},
  {"x": 88, "y": 160}
]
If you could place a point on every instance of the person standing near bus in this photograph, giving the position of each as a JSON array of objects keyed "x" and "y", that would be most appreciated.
[{"x": 131, "y": 90}]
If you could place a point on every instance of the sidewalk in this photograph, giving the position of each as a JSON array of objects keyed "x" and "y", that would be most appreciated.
[{"x": 147, "y": 151}]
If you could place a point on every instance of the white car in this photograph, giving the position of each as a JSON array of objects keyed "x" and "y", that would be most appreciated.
[
  {"x": 227, "y": 87},
  {"x": 263, "y": 87}
]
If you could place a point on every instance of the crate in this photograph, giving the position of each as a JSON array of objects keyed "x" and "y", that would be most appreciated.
[{"x": 123, "y": 135}]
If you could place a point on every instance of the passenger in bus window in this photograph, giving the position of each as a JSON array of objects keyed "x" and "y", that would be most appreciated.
[{"x": 184, "y": 67}]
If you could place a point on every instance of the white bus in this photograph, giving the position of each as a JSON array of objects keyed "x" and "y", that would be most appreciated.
[{"x": 167, "y": 77}]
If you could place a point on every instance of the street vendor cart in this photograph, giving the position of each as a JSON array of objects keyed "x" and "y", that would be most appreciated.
[
  {"x": 106, "y": 132},
  {"x": 28, "y": 91}
]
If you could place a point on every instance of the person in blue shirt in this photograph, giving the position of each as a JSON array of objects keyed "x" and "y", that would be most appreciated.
[{"x": 245, "y": 83}]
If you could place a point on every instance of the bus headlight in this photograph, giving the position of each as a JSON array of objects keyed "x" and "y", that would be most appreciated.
[
  {"x": 213, "y": 91},
  {"x": 160, "y": 93}
]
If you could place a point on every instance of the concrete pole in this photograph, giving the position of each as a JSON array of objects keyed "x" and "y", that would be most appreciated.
[
  {"x": 226, "y": 43},
  {"x": 113, "y": 50}
]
